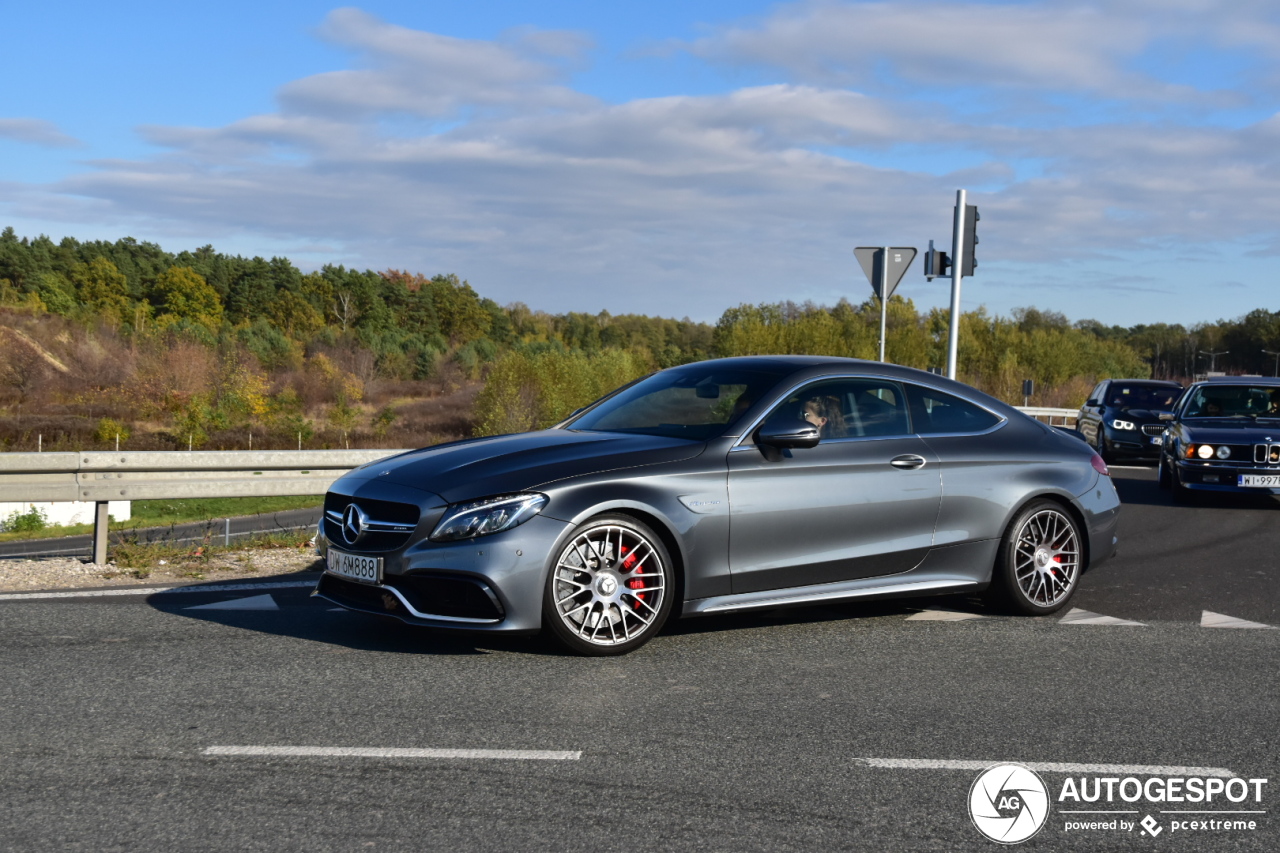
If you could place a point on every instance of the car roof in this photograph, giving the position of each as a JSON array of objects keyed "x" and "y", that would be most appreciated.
[
  {"x": 1168, "y": 382},
  {"x": 1241, "y": 380}
]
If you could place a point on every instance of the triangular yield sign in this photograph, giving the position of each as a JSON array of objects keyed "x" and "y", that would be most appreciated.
[
  {"x": 1076, "y": 616},
  {"x": 253, "y": 602},
  {"x": 1209, "y": 619}
]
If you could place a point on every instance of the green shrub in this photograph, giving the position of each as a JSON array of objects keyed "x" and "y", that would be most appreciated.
[
  {"x": 30, "y": 521},
  {"x": 108, "y": 430}
]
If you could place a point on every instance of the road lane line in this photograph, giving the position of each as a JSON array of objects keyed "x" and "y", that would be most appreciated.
[
  {"x": 1046, "y": 767},
  {"x": 154, "y": 590},
  {"x": 363, "y": 752}
]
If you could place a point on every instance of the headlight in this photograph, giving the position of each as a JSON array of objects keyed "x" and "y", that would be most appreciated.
[
  {"x": 1205, "y": 451},
  {"x": 1119, "y": 424},
  {"x": 1224, "y": 452},
  {"x": 491, "y": 515}
]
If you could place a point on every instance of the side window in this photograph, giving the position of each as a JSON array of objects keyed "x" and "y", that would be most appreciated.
[
  {"x": 849, "y": 408},
  {"x": 934, "y": 412},
  {"x": 1098, "y": 392}
]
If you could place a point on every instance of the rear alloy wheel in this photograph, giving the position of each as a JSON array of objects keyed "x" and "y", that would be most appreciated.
[
  {"x": 1040, "y": 560},
  {"x": 609, "y": 590}
]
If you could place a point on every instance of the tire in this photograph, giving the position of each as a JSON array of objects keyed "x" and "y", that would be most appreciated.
[
  {"x": 599, "y": 599},
  {"x": 1040, "y": 560},
  {"x": 1162, "y": 475},
  {"x": 1107, "y": 456}
]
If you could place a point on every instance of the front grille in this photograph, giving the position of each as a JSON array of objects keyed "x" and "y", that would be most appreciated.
[
  {"x": 1153, "y": 429},
  {"x": 441, "y": 595},
  {"x": 1266, "y": 454},
  {"x": 380, "y": 513}
]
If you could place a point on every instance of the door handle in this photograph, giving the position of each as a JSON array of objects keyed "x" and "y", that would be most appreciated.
[{"x": 909, "y": 462}]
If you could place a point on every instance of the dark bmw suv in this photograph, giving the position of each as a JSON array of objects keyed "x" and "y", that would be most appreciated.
[{"x": 1121, "y": 418}]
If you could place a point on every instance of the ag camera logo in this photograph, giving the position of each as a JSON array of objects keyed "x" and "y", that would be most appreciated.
[{"x": 1008, "y": 803}]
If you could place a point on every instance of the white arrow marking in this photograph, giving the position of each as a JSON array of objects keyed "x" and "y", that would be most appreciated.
[
  {"x": 253, "y": 602},
  {"x": 944, "y": 616},
  {"x": 1083, "y": 617},
  {"x": 1218, "y": 620}
]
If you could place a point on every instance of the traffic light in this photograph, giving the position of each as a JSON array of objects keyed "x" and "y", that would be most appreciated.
[
  {"x": 970, "y": 238},
  {"x": 936, "y": 263}
]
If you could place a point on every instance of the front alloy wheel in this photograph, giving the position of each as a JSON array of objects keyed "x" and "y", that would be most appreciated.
[
  {"x": 1040, "y": 560},
  {"x": 609, "y": 589}
]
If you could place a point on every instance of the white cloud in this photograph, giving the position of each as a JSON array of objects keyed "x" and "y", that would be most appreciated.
[
  {"x": 688, "y": 204},
  {"x": 34, "y": 131}
]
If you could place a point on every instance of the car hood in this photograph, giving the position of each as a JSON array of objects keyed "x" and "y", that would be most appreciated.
[
  {"x": 1232, "y": 431},
  {"x": 513, "y": 463},
  {"x": 1136, "y": 414}
]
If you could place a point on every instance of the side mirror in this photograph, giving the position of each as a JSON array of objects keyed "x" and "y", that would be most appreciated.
[
  {"x": 788, "y": 432},
  {"x": 1165, "y": 416},
  {"x": 1090, "y": 402}
]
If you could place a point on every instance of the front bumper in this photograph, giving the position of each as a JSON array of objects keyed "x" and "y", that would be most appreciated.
[
  {"x": 1216, "y": 477},
  {"x": 493, "y": 583},
  {"x": 1131, "y": 444}
]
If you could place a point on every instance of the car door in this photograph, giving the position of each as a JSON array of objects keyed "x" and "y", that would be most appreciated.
[
  {"x": 1089, "y": 420},
  {"x": 862, "y": 503}
]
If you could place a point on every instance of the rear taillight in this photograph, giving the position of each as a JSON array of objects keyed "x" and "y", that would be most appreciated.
[{"x": 1099, "y": 465}]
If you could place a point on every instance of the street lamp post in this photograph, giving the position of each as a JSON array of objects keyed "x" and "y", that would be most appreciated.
[
  {"x": 1213, "y": 358},
  {"x": 1277, "y": 355}
]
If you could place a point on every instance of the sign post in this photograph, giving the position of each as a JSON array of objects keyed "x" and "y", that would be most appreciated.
[{"x": 884, "y": 267}]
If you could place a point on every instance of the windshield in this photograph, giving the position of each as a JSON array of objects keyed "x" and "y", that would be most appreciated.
[
  {"x": 1233, "y": 401},
  {"x": 1134, "y": 396},
  {"x": 696, "y": 402}
]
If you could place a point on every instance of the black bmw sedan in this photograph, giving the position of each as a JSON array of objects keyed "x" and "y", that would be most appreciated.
[
  {"x": 720, "y": 486},
  {"x": 1224, "y": 436},
  {"x": 1121, "y": 418}
]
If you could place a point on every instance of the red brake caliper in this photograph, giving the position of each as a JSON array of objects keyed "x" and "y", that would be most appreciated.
[{"x": 628, "y": 564}]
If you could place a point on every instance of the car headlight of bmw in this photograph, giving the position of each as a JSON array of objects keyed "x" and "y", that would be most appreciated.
[
  {"x": 491, "y": 515},
  {"x": 1123, "y": 425}
]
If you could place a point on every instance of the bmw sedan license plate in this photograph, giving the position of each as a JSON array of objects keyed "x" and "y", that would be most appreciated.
[
  {"x": 355, "y": 567},
  {"x": 1260, "y": 481}
]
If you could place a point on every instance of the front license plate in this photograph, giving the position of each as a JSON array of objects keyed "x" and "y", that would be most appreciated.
[
  {"x": 355, "y": 567},
  {"x": 1260, "y": 481},
  {"x": 1155, "y": 439}
]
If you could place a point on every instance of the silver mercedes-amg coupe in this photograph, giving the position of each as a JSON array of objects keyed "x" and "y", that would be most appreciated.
[{"x": 725, "y": 485}]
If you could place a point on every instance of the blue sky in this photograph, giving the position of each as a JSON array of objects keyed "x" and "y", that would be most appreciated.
[{"x": 670, "y": 158}]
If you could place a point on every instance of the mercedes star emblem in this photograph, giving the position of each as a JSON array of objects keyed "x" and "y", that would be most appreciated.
[{"x": 354, "y": 522}]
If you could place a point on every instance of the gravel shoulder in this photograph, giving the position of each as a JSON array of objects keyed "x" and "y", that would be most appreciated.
[{"x": 71, "y": 573}]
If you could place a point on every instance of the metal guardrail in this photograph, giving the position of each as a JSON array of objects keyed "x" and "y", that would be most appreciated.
[
  {"x": 167, "y": 475},
  {"x": 1053, "y": 417},
  {"x": 151, "y": 475}
]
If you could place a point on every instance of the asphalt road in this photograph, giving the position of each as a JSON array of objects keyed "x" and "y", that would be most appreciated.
[
  {"x": 215, "y": 529},
  {"x": 748, "y": 732}
]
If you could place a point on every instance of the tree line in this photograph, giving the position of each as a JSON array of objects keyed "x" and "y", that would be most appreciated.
[{"x": 296, "y": 353}]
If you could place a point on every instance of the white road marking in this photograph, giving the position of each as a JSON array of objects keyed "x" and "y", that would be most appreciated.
[
  {"x": 1076, "y": 616},
  {"x": 153, "y": 590},
  {"x": 253, "y": 602},
  {"x": 944, "y": 616},
  {"x": 1208, "y": 619},
  {"x": 1047, "y": 767},
  {"x": 363, "y": 752}
]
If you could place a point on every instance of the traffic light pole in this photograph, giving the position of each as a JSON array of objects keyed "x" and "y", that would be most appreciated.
[{"x": 957, "y": 272}]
